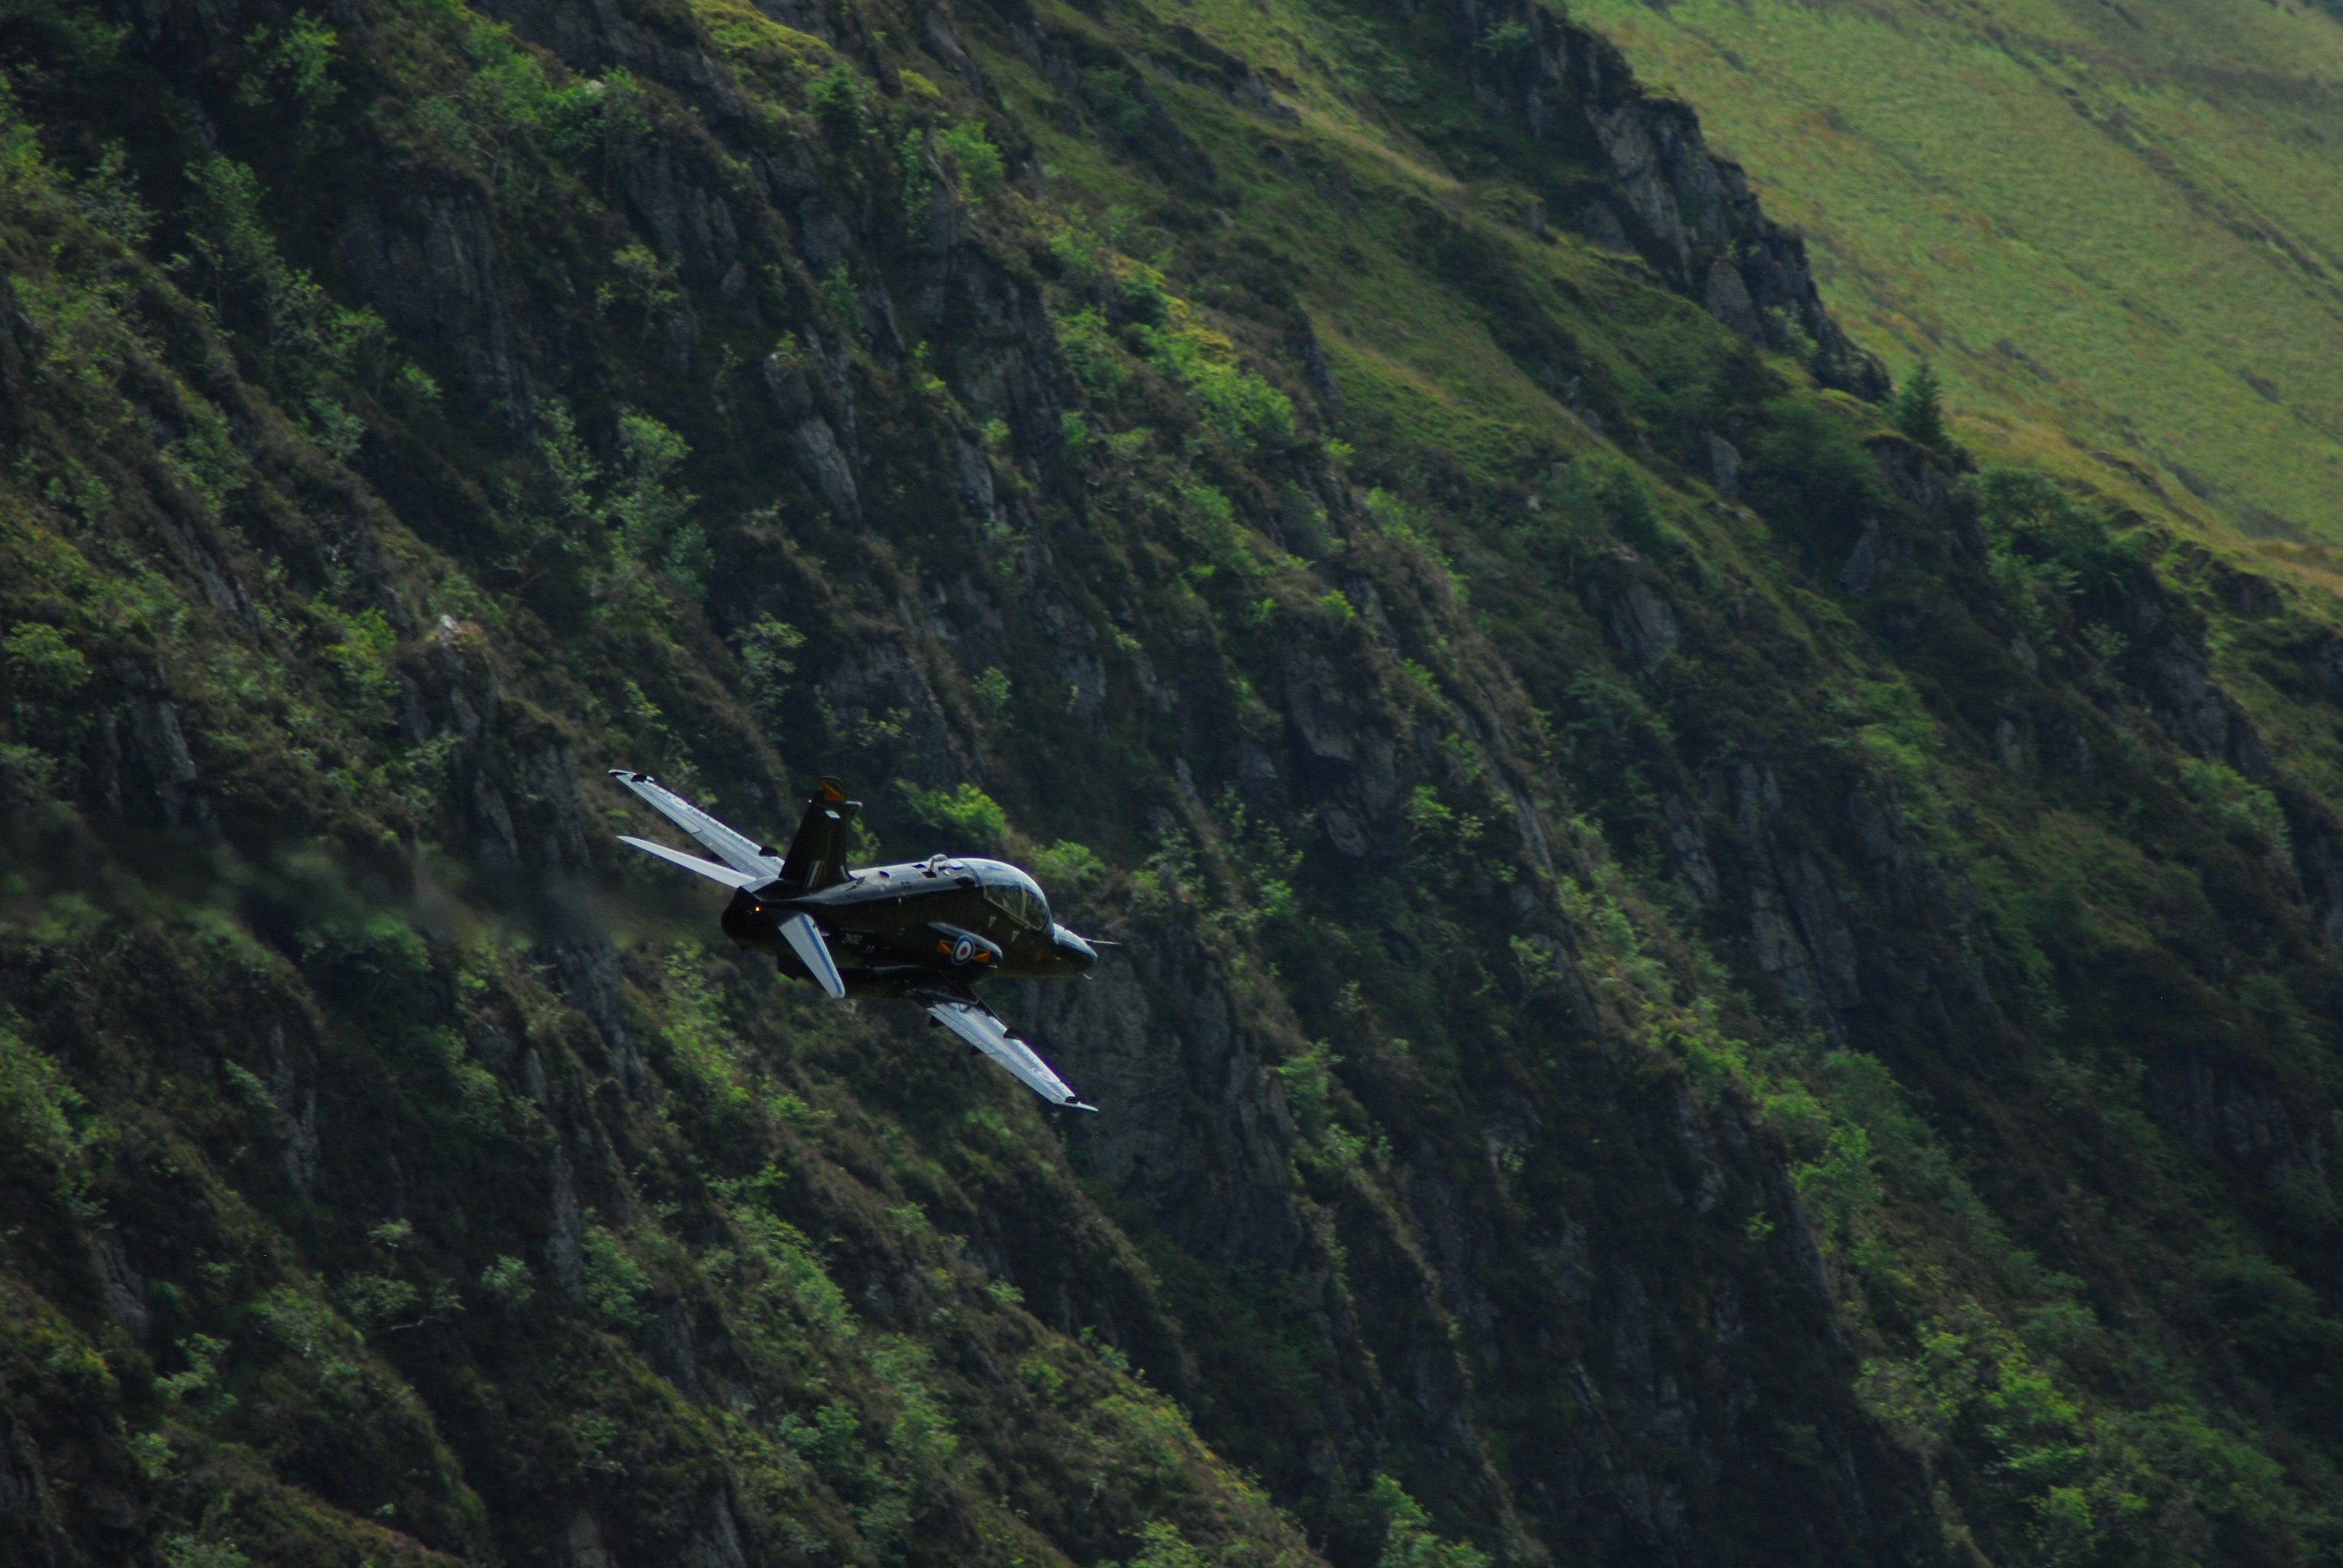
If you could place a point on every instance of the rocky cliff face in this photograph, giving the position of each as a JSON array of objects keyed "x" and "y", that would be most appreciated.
[
  {"x": 1693, "y": 983},
  {"x": 1656, "y": 189}
]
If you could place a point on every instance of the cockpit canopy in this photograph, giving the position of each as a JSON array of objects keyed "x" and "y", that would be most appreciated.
[{"x": 1012, "y": 892}]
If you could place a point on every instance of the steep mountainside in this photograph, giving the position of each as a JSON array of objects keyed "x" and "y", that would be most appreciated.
[
  {"x": 2112, "y": 226},
  {"x": 1704, "y": 977}
]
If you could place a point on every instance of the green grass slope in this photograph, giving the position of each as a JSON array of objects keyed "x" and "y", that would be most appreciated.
[{"x": 2113, "y": 227}]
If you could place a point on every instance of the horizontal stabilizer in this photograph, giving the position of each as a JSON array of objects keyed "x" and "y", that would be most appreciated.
[
  {"x": 990, "y": 1036},
  {"x": 707, "y": 869},
  {"x": 805, "y": 940},
  {"x": 736, "y": 849}
]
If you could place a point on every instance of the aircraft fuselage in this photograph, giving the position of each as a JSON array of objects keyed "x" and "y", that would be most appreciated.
[
  {"x": 921, "y": 926},
  {"x": 927, "y": 931}
]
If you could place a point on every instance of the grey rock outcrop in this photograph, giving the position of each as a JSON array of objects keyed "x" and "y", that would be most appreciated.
[
  {"x": 1665, "y": 195},
  {"x": 882, "y": 685},
  {"x": 2180, "y": 689},
  {"x": 2224, "y": 1112},
  {"x": 1873, "y": 560},
  {"x": 806, "y": 394},
  {"x": 1641, "y": 621},
  {"x": 691, "y": 226},
  {"x": 1723, "y": 464},
  {"x": 186, "y": 32},
  {"x": 429, "y": 262},
  {"x": 28, "y": 1509},
  {"x": 1345, "y": 752},
  {"x": 594, "y": 37},
  {"x": 823, "y": 460},
  {"x": 15, "y": 349},
  {"x": 144, "y": 754},
  {"x": 1910, "y": 473},
  {"x": 587, "y": 969},
  {"x": 1202, "y": 1138}
]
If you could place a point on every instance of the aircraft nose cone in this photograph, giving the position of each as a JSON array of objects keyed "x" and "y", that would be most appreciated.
[{"x": 1075, "y": 951}]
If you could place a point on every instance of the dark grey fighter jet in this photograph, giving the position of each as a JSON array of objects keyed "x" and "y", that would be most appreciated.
[{"x": 926, "y": 931}]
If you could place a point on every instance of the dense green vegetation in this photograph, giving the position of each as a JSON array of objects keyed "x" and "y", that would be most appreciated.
[{"x": 1707, "y": 974}]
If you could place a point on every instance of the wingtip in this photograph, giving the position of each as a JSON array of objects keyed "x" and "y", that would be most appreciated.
[{"x": 1081, "y": 1105}]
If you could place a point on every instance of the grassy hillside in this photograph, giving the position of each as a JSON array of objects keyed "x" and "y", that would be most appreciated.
[
  {"x": 2110, "y": 225},
  {"x": 1704, "y": 976}
]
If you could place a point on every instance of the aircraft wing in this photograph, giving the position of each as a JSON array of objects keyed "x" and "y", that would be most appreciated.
[
  {"x": 982, "y": 1029},
  {"x": 736, "y": 850},
  {"x": 707, "y": 869},
  {"x": 805, "y": 940}
]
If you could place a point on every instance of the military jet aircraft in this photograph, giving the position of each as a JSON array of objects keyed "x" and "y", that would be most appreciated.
[{"x": 926, "y": 931}]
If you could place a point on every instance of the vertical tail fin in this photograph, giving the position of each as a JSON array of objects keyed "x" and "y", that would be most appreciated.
[{"x": 817, "y": 857}]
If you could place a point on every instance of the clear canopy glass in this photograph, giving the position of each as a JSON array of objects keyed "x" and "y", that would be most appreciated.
[{"x": 1013, "y": 892}]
